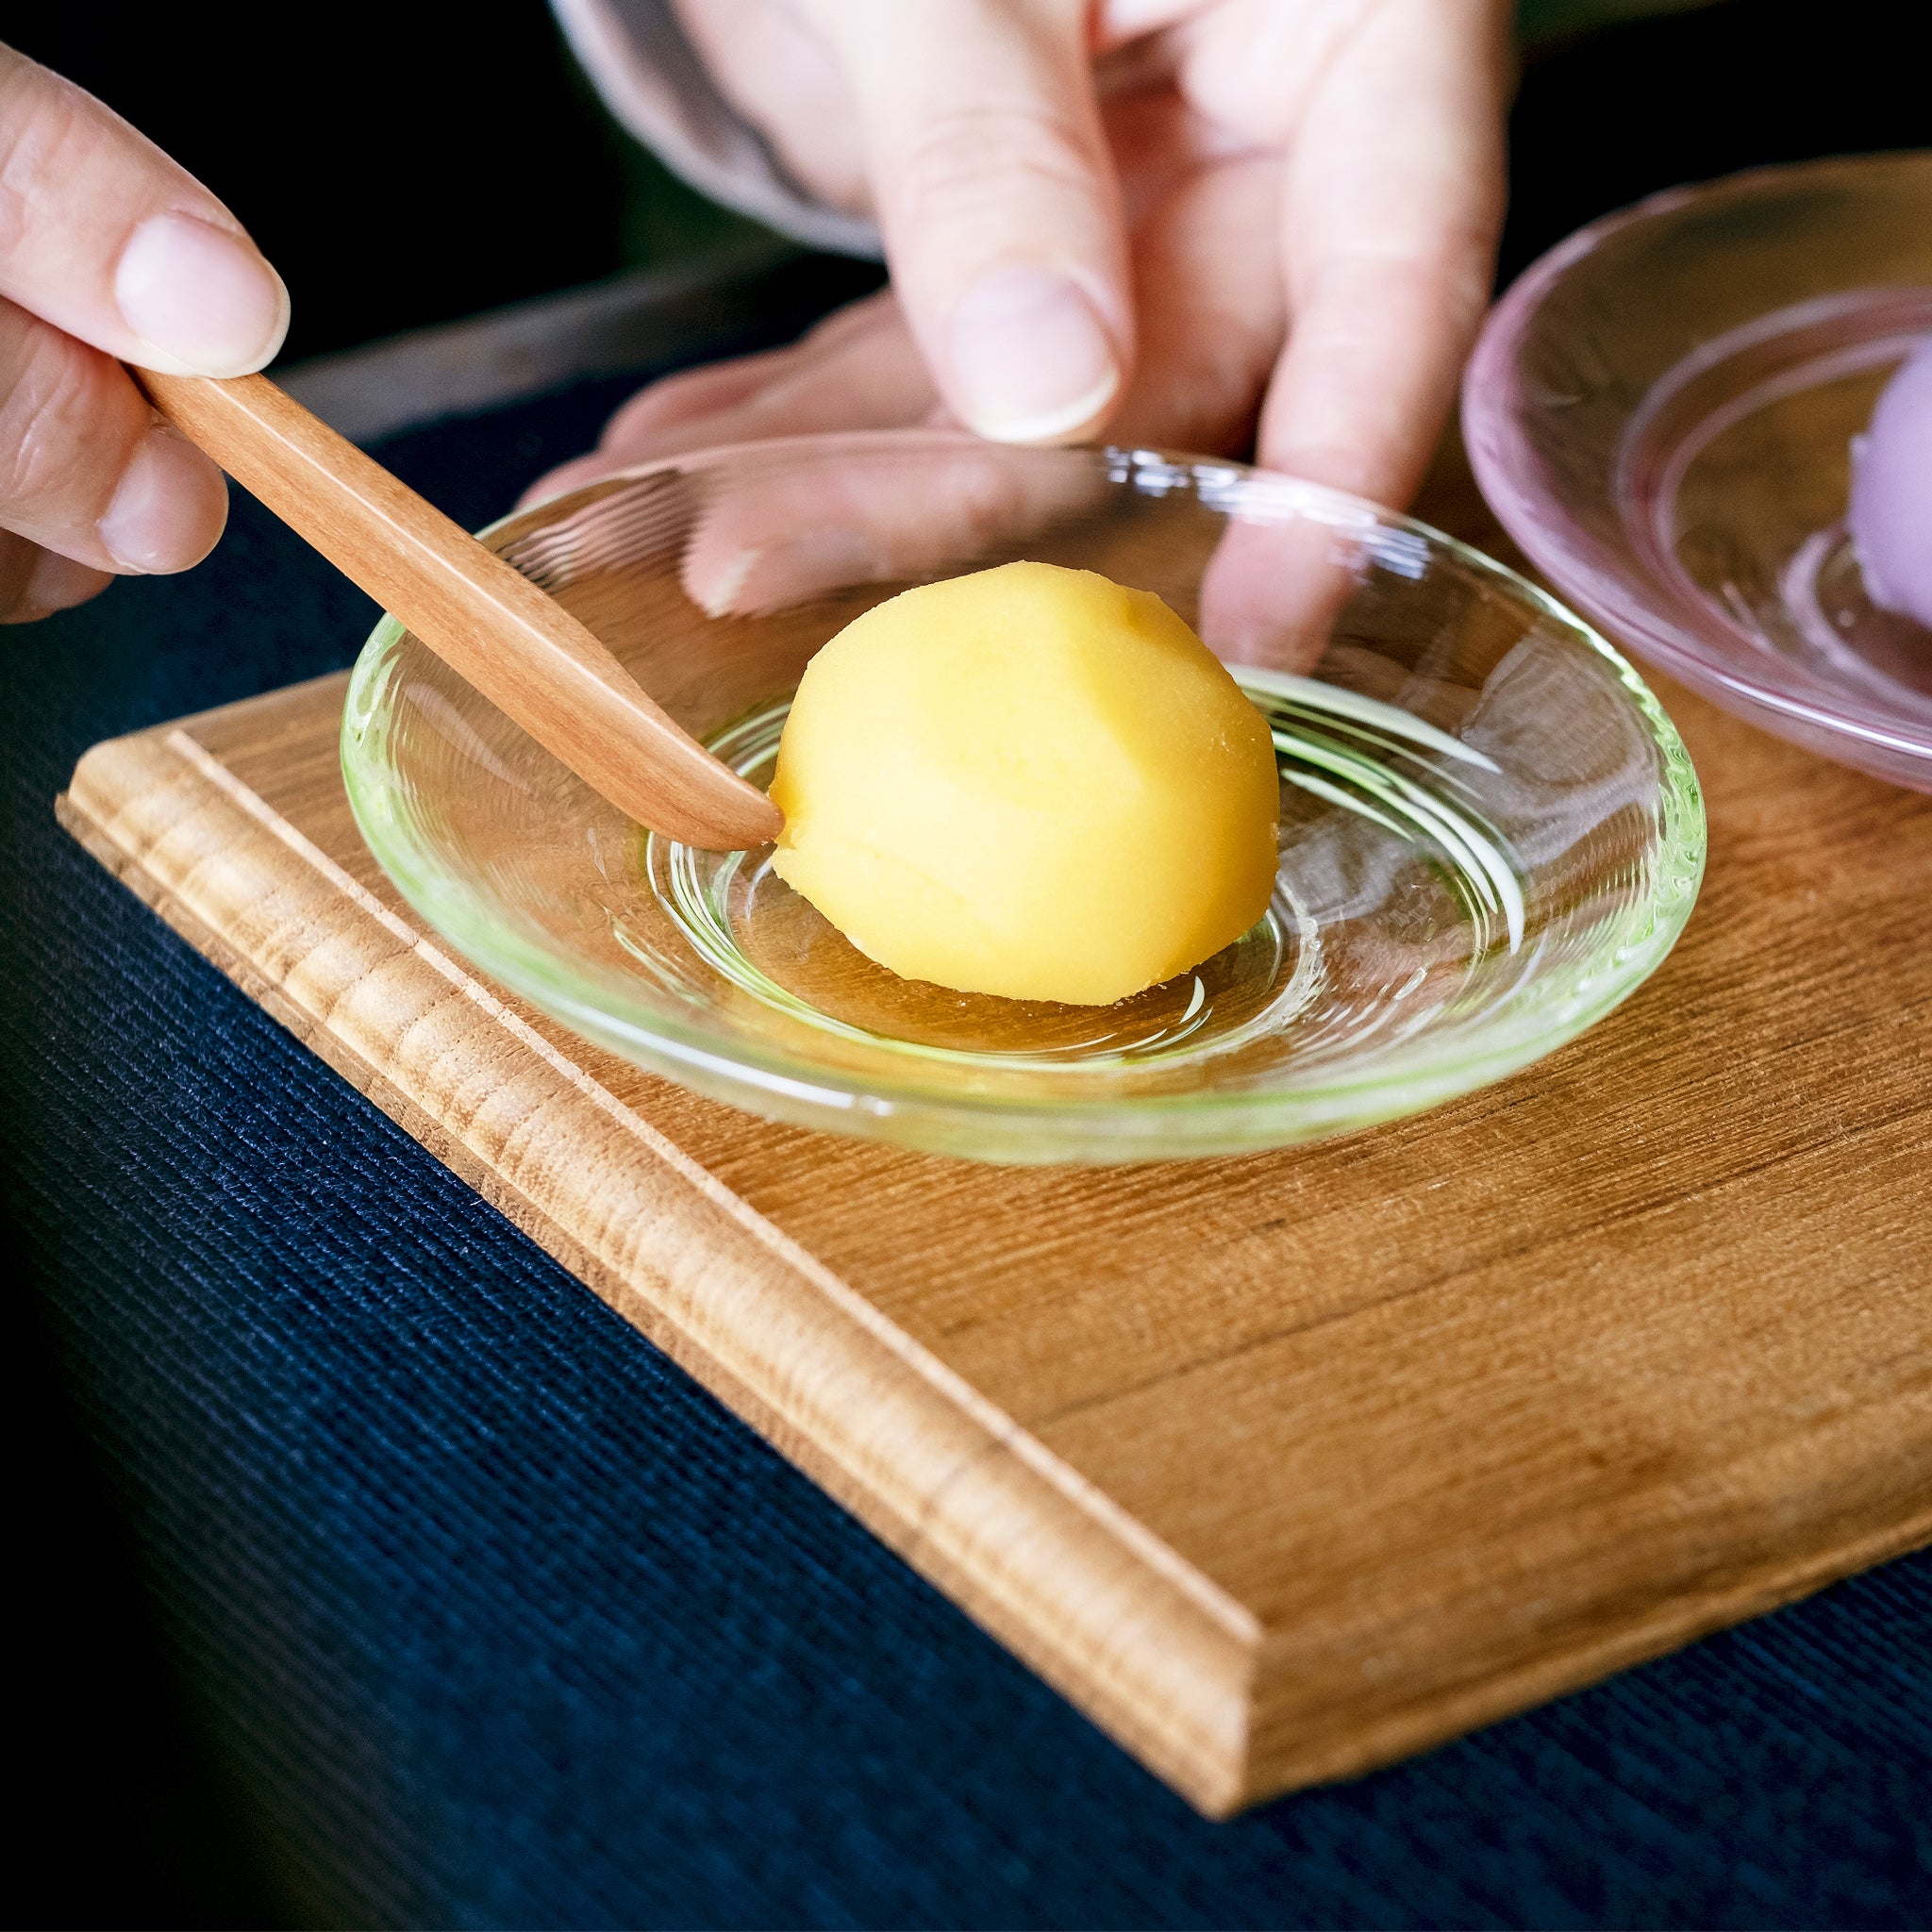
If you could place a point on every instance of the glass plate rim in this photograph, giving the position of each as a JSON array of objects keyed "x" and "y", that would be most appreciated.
[
  {"x": 1510, "y": 476},
  {"x": 1018, "y": 1130}
]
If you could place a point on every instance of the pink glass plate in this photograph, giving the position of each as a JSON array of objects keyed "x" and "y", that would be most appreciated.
[{"x": 1660, "y": 412}]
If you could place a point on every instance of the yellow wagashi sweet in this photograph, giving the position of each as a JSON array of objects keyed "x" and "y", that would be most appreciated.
[{"x": 1030, "y": 782}]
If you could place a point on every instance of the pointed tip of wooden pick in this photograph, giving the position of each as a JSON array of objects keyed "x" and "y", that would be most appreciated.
[{"x": 758, "y": 823}]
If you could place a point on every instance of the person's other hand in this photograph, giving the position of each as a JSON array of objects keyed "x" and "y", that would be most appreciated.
[
  {"x": 109, "y": 253},
  {"x": 1191, "y": 223}
]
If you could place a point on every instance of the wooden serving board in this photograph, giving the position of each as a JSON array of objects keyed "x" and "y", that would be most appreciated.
[{"x": 1279, "y": 1467}]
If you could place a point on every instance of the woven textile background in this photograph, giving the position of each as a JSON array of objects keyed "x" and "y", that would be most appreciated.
[{"x": 502, "y": 1622}]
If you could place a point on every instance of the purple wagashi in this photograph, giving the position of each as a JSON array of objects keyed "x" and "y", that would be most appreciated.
[{"x": 1890, "y": 516}]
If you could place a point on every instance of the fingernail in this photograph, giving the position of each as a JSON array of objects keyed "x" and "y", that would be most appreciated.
[
  {"x": 202, "y": 299},
  {"x": 168, "y": 508},
  {"x": 1030, "y": 357}
]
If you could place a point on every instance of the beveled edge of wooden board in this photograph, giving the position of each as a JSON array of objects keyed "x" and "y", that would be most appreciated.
[{"x": 1158, "y": 1655}]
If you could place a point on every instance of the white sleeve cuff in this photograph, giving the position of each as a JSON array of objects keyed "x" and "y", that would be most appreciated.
[{"x": 653, "y": 82}]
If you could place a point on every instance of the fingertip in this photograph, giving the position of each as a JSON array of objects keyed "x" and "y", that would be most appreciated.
[
  {"x": 999, "y": 205},
  {"x": 53, "y": 583},
  {"x": 58, "y": 583},
  {"x": 168, "y": 509},
  {"x": 569, "y": 475}
]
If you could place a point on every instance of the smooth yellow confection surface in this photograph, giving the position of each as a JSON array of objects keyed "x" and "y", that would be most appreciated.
[{"x": 1031, "y": 782}]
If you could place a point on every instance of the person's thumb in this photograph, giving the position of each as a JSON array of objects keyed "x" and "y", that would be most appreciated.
[
  {"x": 998, "y": 204},
  {"x": 106, "y": 238}
]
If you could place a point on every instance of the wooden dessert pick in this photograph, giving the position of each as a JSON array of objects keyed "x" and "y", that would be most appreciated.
[{"x": 526, "y": 654}]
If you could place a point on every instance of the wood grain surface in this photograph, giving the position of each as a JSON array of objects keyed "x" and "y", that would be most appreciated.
[{"x": 1284, "y": 1466}]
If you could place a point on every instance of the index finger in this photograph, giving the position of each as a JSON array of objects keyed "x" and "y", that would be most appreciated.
[
  {"x": 106, "y": 238},
  {"x": 1392, "y": 204},
  {"x": 998, "y": 203}
]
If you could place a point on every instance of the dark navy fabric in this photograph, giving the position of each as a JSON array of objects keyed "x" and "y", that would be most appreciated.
[{"x": 501, "y": 1621}]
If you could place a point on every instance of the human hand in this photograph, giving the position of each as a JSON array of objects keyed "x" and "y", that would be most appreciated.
[
  {"x": 1213, "y": 215},
  {"x": 109, "y": 253}
]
